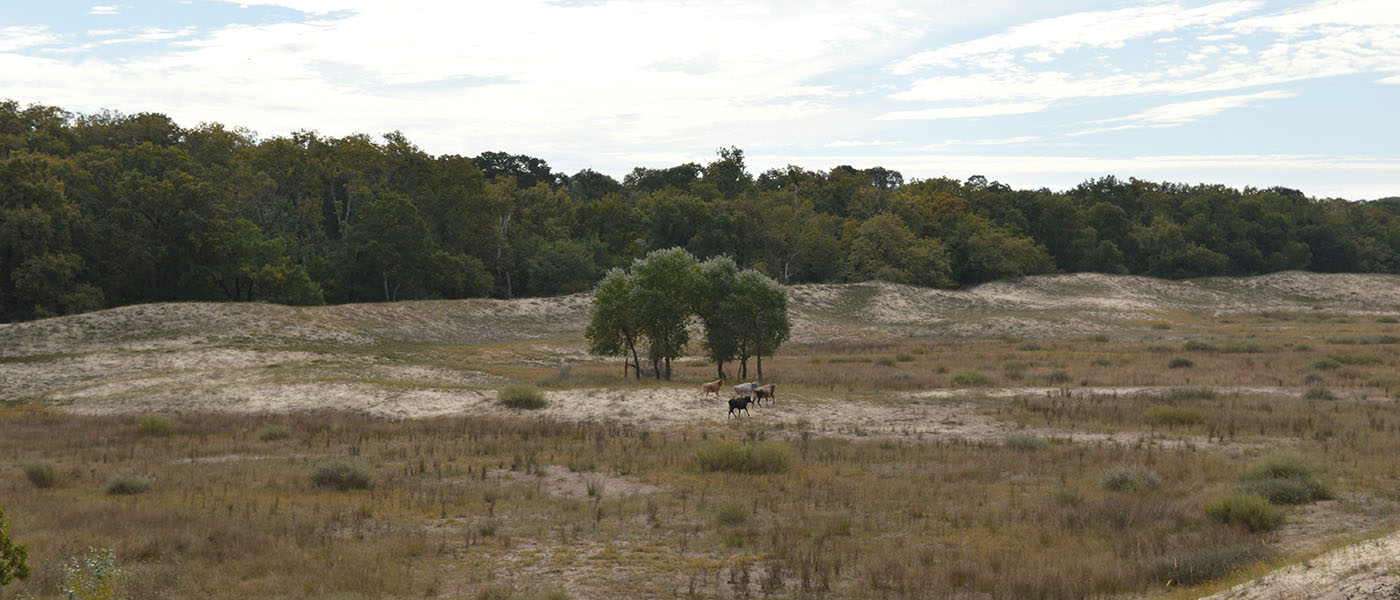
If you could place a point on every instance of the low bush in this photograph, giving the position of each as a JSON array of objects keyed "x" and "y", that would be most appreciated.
[
  {"x": 731, "y": 513},
  {"x": 269, "y": 433},
  {"x": 764, "y": 457},
  {"x": 1171, "y": 416},
  {"x": 41, "y": 473},
  {"x": 1025, "y": 441},
  {"x": 522, "y": 396},
  {"x": 1284, "y": 478},
  {"x": 128, "y": 484},
  {"x": 1325, "y": 364},
  {"x": 1199, "y": 346},
  {"x": 1318, "y": 392},
  {"x": 1130, "y": 478},
  {"x": 1199, "y": 565},
  {"x": 1358, "y": 359},
  {"x": 1059, "y": 377},
  {"x": 342, "y": 476},
  {"x": 1190, "y": 393},
  {"x": 154, "y": 426},
  {"x": 969, "y": 378},
  {"x": 1180, "y": 362},
  {"x": 1254, "y": 513}
]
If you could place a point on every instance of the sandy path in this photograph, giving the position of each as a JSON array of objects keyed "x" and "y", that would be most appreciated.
[{"x": 1369, "y": 569}]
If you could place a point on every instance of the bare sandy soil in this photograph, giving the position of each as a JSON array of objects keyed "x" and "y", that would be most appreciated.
[{"x": 1369, "y": 570}]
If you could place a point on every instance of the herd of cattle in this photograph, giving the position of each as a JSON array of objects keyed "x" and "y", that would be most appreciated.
[{"x": 744, "y": 394}]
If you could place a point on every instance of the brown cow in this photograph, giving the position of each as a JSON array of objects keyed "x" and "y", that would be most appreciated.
[{"x": 712, "y": 387}]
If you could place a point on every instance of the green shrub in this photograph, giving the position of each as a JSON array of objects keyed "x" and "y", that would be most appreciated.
[
  {"x": 1031, "y": 347},
  {"x": 1025, "y": 442},
  {"x": 1199, "y": 346},
  {"x": 1102, "y": 362},
  {"x": 885, "y": 361},
  {"x": 1199, "y": 565},
  {"x": 1171, "y": 416},
  {"x": 41, "y": 473},
  {"x": 1284, "y": 478},
  {"x": 523, "y": 396},
  {"x": 276, "y": 431},
  {"x": 1358, "y": 359},
  {"x": 128, "y": 484},
  {"x": 1311, "y": 378},
  {"x": 1254, "y": 513},
  {"x": 1318, "y": 392},
  {"x": 904, "y": 357},
  {"x": 969, "y": 378},
  {"x": 154, "y": 426},
  {"x": 342, "y": 476},
  {"x": 764, "y": 457},
  {"x": 1179, "y": 394},
  {"x": 1247, "y": 348},
  {"x": 1058, "y": 377},
  {"x": 1180, "y": 362},
  {"x": 1130, "y": 478},
  {"x": 1326, "y": 364},
  {"x": 1364, "y": 340},
  {"x": 731, "y": 513}
]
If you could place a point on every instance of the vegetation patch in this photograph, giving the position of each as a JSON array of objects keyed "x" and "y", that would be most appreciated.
[
  {"x": 1171, "y": 416},
  {"x": 522, "y": 396},
  {"x": 754, "y": 458},
  {"x": 1254, "y": 513},
  {"x": 343, "y": 476},
  {"x": 1130, "y": 478},
  {"x": 127, "y": 484},
  {"x": 1180, "y": 362},
  {"x": 41, "y": 473},
  {"x": 154, "y": 426},
  {"x": 1284, "y": 478},
  {"x": 1198, "y": 565},
  {"x": 1025, "y": 442},
  {"x": 969, "y": 378}
]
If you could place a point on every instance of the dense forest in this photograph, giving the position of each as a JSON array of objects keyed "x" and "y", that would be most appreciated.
[{"x": 111, "y": 209}]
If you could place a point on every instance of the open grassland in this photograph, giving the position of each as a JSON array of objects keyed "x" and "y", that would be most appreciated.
[{"x": 1059, "y": 437}]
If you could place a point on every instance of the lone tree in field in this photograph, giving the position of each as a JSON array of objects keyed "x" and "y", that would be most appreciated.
[
  {"x": 744, "y": 313},
  {"x": 613, "y": 328}
]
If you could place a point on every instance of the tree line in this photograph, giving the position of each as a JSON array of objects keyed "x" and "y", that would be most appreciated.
[
  {"x": 743, "y": 312},
  {"x": 111, "y": 209}
]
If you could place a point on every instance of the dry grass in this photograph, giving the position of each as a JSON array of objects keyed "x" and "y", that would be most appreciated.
[{"x": 463, "y": 506}]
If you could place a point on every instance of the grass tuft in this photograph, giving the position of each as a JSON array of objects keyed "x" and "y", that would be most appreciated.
[
  {"x": 1025, "y": 442},
  {"x": 1130, "y": 478},
  {"x": 127, "y": 484},
  {"x": 41, "y": 473},
  {"x": 1180, "y": 362},
  {"x": 523, "y": 396},
  {"x": 154, "y": 426},
  {"x": 760, "y": 458},
  {"x": 274, "y": 432},
  {"x": 342, "y": 476},
  {"x": 969, "y": 378},
  {"x": 1284, "y": 478},
  {"x": 1252, "y": 512},
  {"x": 1171, "y": 416}
]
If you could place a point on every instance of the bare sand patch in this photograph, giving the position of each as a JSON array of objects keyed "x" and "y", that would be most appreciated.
[{"x": 1369, "y": 569}]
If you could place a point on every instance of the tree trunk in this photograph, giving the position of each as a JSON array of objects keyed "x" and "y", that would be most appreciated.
[
  {"x": 656, "y": 368},
  {"x": 636, "y": 363},
  {"x": 385, "y": 275},
  {"x": 758, "y": 354},
  {"x": 719, "y": 367},
  {"x": 668, "y": 368}
]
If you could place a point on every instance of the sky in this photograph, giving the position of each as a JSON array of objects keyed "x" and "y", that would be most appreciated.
[{"x": 1302, "y": 94}]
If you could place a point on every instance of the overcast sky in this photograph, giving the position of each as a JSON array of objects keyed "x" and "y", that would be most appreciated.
[{"x": 1303, "y": 94}]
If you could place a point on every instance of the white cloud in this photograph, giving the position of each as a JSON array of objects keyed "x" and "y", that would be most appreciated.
[
  {"x": 1392, "y": 80},
  {"x": 963, "y": 112},
  {"x": 860, "y": 144},
  {"x": 20, "y": 37},
  {"x": 101, "y": 9},
  {"x": 1095, "y": 29},
  {"x": 1171, "y": 115}
]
